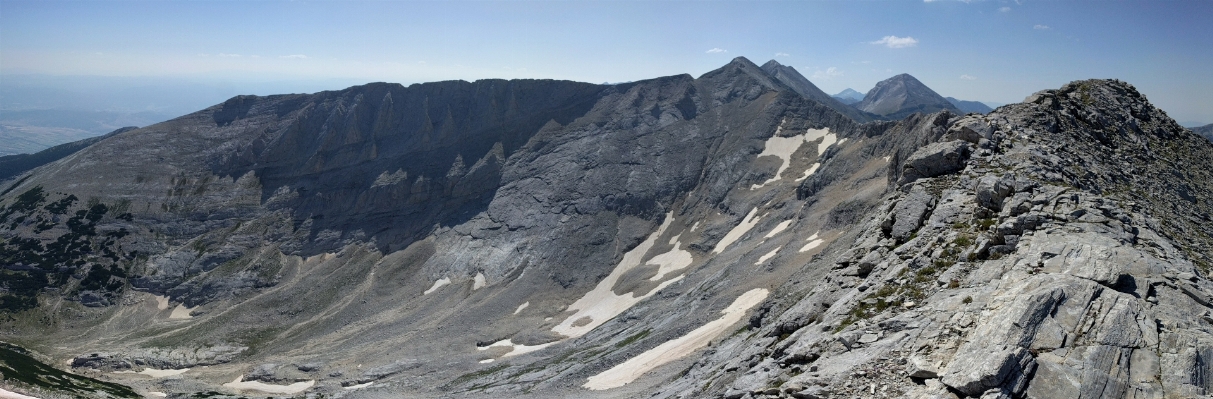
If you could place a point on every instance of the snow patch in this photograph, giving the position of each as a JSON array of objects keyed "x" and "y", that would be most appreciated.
[
  {"x": 5, "y": 394},
  {"x": 784, "y": 147},
  {"x": 486, "y": 361},
  {"x": 809, "y": 172},
  {"x": 827, "y": 139},
  {"x": 735, "y": 234},
  {"x": 437, "y": 284},
  {"x": 521, "y": 307},
  {"x": 479, "y": 281},
  {"x": 766, "y": 257},
  {"x": 675, "y": 260},
  {"x": 292, "y": 389},
  {"x": 601, "y": 303},
  {"x": 779, "y": 228},
  {"x": 516, "y": 349},
  {"x": 669, "y": 351},
  {"x": 813, "y": 243},
  {"x": 161, "y": 302},
  {"x": 158, "y": 394},
  {"x": 154, "y": 373},
  {"x": 182, "y": 312}
]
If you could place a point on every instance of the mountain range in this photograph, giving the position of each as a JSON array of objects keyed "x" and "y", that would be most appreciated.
[
  {"x": 969, "y": 106},
  {"x": 728, "y": 235},
  {"x": 1206, "y": 131}
]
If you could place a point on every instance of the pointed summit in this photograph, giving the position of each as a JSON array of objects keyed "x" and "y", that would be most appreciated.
[
  {"x": 902, "y": 95},
  {"x": 801, "y": 85},
  {"x": 849, "y": 96},
  {"x": 738, "y": 74}
]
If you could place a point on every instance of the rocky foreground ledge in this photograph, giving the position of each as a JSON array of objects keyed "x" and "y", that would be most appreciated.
[{"x": 1056, "y": 248}]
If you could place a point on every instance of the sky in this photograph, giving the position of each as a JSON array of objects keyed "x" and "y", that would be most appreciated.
[{"x": 993, "y": 51}]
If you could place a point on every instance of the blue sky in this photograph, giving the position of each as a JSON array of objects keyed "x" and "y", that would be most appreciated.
[{"x": 994, "y": 51}]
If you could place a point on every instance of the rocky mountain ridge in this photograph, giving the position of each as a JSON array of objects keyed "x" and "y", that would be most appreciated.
[
  {"x": 969, "y": 106},
  {"x": 719, "y": 236},
  {"x": 1205, "y": 131}
]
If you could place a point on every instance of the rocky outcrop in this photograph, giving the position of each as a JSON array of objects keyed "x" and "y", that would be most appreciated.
[
  {"x": 934, "y": 160},
  {"x": 1027, "y": 278}
]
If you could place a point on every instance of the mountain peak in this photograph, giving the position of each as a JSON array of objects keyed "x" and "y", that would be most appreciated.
[
  {"x": 849, "y": 96},
  {"x": 742, "y": 62},
  {"x": 902, "y": 95},
  {"x": 790, "y": 77}
]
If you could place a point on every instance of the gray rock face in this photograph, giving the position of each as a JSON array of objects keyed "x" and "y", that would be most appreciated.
[
  {"x": 934, "y": 160},
  {"x": 909, "y": 213},
  {"x": 902, "y": 95}
]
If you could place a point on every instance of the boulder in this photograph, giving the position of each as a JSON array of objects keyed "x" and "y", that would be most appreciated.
[
  {"x": 992, "y": 190},
  {"x": 909, "y": 213},
  {"x": 934, "y": 160},
  {"x": 920, "y": 368},
  {"x": 972, "y": 129},
  {"x": 1003, "y": 367}
]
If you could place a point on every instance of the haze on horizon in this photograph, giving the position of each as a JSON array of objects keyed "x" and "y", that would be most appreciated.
[{"x": 993, "y": 51}]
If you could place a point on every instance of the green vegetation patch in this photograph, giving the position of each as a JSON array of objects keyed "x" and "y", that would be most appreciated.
[
  {"x": 635, "y": 337},
  {"x": 16, "y": 364}
]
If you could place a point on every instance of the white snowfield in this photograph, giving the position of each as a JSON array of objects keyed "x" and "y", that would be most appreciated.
[
  {"x": 669, "y": 262},
  {"x": 601, "y": 303},
  {"x": 809, "y": 172},
  {"x": 259, "y": 386},
  {"x": 669, "y": 351},
  {"x": 181, "y": 312},
  {"x": 813, "y": 243},
  {"x": 784, "y": 147},
  {"x": 5, "y": 394},
  {"x": 735, "y": 234},
  {"x": 437, "y": 284},
  {"x": 779, "y": 228},
  {"x": 161, "y": 302},
  {"x": 767, "y": 257},
  {"x": 515, "y": 349},
  {"x": 479, "y": 281},
  {"x": 521, "y": 307}
]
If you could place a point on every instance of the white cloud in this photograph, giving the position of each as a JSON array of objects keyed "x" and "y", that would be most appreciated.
[
  {"x": 968, "y": 77},
  {"x": 228, "y": 55},
  {"x": 294, "y": 56},
  {"x": 715, "y": 50},
  {"x": 1041, "y": 27},
  {"x": 1004, "y": 9},
  {"x": 781, "y": 54},
  {"x": 827, "y": 74},
  {"x": 897, "y": 42}
]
